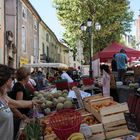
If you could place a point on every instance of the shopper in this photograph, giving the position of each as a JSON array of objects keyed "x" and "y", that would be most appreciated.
[
  {"x": 6, "y": 115},
  {"x": 21, "y": 92},
  {"x": 64, "y": 75},
  {"x": 31, "y": 86},
  {"x": 121, "y": 59},
  {"x": 40, "y": 80},
  {"x": 113, "y": 88},
  {"x": 106, "y": 80},
  {"x": 114, "y": 64}
]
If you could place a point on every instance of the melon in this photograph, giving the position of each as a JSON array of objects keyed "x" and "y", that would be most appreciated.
[
  {"x": 68, "y": 104},
  {"x": 55, "y": 95},
  {"x": 61, "y": 100},
  {"x": 55, "y": 101},
  {"x": 59, "y": 106},
  {"x": 43, "y": 105},
  {"x": 48, "y": 103}
]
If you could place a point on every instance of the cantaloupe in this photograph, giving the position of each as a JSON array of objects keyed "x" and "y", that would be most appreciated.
[
  {"x": 59, "y": 106},
  {"x": 68, "y": 104},
  {"x": 61, "y": 100}
]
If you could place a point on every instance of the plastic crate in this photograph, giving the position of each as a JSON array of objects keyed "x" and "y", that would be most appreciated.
[
  {"x": 62, "y": 85},
  {"x": 87, "y": 81}
]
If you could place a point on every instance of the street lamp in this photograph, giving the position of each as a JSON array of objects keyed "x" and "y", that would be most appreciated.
[{"x": 88, "y": 28}]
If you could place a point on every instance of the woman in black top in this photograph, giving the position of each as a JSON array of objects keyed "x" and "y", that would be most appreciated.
[{"x": 19, "y": 92}]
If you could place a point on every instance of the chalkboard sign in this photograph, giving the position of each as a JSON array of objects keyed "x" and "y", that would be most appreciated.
[{"x": 131, "y": 121}]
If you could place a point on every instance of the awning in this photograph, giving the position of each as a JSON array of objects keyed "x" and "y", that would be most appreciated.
[
  {"x": 46, "y": 65},
  {"x": 108, "y": 52}
]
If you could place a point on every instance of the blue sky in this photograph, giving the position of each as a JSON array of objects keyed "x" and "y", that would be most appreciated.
[
  {"x": 48, "y": 13},
  {"x": 135, "y": 6}
]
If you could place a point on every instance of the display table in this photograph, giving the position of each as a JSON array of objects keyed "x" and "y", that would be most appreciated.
[{"x": 123, "y": 92}]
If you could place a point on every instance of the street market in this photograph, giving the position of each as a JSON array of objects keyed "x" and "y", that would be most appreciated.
[
  {"x": 101, "y": 117},
  {"x": 69, "y": 70}
]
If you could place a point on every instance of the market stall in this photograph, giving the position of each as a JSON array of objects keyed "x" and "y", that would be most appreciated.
[
  {"x": 107, "y": 53},
  {"x": 99, "y": 118}
]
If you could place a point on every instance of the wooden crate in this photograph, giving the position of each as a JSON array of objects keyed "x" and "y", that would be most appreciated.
[
  {"x": 97, "y": 132},
  {"x": 113, "y": 113},
  {"x": 115, "y": 125},
  {"x": 88, "y": 100},
  {"x": 136, "y": 70},
  {"x": 118, "y": 132},
  {"x": 116, "y": 129},
  {"x": 113, "y": 120},
  {"x": 83, "y": 112},
  {"x": 96, "y": 129},
  {"x": 95, "y": 112},
  {"x": 97, "y": 96}
]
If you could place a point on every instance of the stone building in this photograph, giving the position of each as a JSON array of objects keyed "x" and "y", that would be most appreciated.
[{"x": 27, "y": 38}]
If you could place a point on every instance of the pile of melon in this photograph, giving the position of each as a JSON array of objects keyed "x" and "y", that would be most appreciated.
[
  {"x": 134, "y": 85},
  {"x": 54, "y": 101}
]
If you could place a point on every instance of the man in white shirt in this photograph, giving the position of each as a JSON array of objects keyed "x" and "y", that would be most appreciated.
[{"x": 64, "y": 75}]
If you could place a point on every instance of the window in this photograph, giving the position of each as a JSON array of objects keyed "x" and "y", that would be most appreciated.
[
  {"x": 23, "y": 39},
  {"x": 24, "y": 13},
  {"x": 50, "y": 39},
  {"x": 47, "y": 51},
  {"x": 35, "y": 49},
  {"x": 35, "y": 24},
  {"x": 43, "y": 48},
  {"x": 35, "y": 46},
  {"x": 58, "y": 50},
  {"x": 47, "y": 37}
]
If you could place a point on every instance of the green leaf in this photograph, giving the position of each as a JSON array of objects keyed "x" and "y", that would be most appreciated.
[{"x": 114, "y": 16}]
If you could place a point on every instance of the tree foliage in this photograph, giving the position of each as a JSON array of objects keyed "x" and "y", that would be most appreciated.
[{"x": 114, "y": 16}]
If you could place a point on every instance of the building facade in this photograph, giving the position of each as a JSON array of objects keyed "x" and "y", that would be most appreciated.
[
  {"x": 28, "y": 33},
  {"x": 22, "y": 33},
  {"x": 137, "y": 23},
  {"x": 27, "y": 38},
  {"x": 50, "y": 49},
  {"x": 43, "y": 43},
  {"x": 2, "y": 32},
  {"x": 10, "y": 46},
  {"x": 63, "y": 53},
  {"x": 128, "y": 40}
]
